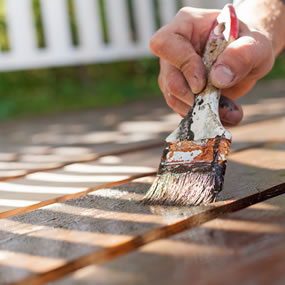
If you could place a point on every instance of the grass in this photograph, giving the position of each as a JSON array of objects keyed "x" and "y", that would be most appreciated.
[
  {"x": 29, "y": 93},
  {"x": 278, "y": 70},
  {"x": 36, "y": 92}
]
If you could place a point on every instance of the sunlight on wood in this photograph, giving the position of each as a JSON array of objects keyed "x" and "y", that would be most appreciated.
[
  {"x": 88, "y": 168},
  {"x": 100, "y": 137},
  {"x": 267, "y": 106},
  {"x": 265, "y": 206},
  {"x": 28, "y": 261},
  {"x": 146, "y": 127},
  {"x": 36, "y": 149},
  {"x": 136, "y": 137},
  {"x": 261, "y": 158},
  {"x": 55, "y": 177},
  {"x": 167, "y": 250},
  {"x": 40, "y": 158},
  {"x": 110, "y": 159},
  {"x": 66, "y": 235},
  {"x": 184, "y": 248},
  {"x": 245, "y": 226},
  {"x": 71, "y": 150},
  {"x": 26, "y": 165},
  {"x": 20, "y": 188},
  {"x": 255, "y": 132},
  {"x": 114, "y": 276},
  {"x": 8, "y": 156},
  {"x": 16, "y": 203},
  {"x": 109, "y": 214},
  {"x": 7, "y": 173}
]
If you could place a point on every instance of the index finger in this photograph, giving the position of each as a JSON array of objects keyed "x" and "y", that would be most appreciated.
[{"x": 173, "y": 43}]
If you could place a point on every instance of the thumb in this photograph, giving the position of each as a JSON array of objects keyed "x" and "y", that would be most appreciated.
[{"x": 243, "y": 57}]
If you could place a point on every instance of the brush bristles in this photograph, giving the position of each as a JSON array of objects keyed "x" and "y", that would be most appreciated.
[
  {"x": 190, "y": 173},
  {"x": 182, "y": 189}
]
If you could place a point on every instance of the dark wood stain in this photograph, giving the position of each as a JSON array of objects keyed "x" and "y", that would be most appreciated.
[{"x": 151, "y": 236}]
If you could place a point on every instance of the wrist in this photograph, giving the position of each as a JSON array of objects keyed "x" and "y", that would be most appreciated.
[{"x": 268, "y": 18}]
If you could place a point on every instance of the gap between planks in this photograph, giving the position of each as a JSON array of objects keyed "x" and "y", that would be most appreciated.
[{"x": 132, "y": 244}]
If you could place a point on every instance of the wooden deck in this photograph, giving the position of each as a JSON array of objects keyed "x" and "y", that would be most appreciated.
[{"x": 70, "y": 188}]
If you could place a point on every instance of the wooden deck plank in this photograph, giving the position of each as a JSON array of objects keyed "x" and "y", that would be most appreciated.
[
  {"x": 76, "y": 177},
  {"x": 38, "y": 187},
  {"x": 246, "y": 247},
  {"x": 49, "y": 140},
  {"x": 114, "y": 213},
  {"x": 40, "y": 240}
]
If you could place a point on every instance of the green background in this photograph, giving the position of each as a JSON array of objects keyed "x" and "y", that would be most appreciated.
[{"x": 35, "y": 92}]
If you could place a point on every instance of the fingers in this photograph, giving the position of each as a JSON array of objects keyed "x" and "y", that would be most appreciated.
[
  {"x": 177, "y": 105},
  {"x": 173, "y": 44},
  {"x": 173, "y": 81},
  {"x": 180, "y": 98},
  {"x": 239, "y": 89},
  {"x": 248, "y": 57},
  {"x": 175, "y": 88},
  {"x": 230, "y": 112}
]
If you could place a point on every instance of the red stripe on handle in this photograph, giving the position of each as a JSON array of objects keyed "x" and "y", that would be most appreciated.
[{"x": 234, "y": 31}]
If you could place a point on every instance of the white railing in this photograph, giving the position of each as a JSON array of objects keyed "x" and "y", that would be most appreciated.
[{"x": 24, "y": 52}]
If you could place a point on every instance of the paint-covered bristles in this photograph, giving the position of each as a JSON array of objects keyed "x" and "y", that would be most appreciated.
[{"x": 190, "y": 173}]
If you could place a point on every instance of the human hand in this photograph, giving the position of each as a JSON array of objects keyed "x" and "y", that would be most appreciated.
[{"x": 180, "y": 46}]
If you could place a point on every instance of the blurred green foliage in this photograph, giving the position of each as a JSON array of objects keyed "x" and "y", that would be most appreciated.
[
  {"x": 26, "y": 93},
  {"x": 278, "y": 70},
  {"x": 33, "y": 92},
  {"x": 4, "y": 44}
]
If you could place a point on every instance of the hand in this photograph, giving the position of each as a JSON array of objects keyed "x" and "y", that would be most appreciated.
[{"x": 180, "y": 46}]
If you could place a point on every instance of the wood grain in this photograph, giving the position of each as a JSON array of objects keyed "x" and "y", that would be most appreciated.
[
  {"x": 42, "y": 238},
  {"x": 26, "y": 209},
  {"x": 89, "y": 158},
  {"x": 245, "y": 247},
  {"x": 116, "y": 212},
  {"x": 160, "y": 233}
]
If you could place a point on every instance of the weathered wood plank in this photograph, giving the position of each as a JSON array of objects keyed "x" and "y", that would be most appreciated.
[
  {"x": 76, "y": 178},
  {"x": 116, "y": 212},
  {"x": 47, "y": 141},
  {"x": 51, "y": 185},
  {"x": 248, "y": 245},
  {"x": 112, "y": 216}
]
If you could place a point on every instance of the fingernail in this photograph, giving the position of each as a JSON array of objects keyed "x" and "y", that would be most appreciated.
[
  {"x": 222, "y": 75},
  {"x": 194, "y": 84},
  {"x": 225, "y": 102},
  {"x": 230, "y": 113}
]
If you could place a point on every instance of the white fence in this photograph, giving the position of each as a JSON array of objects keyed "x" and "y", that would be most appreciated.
[{"x": 123, "y": 19}]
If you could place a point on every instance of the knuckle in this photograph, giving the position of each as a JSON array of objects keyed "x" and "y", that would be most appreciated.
[
  {"x": 184, "y": 12},
  {"x": 170, "y": 100},
  {"x": 157, "y": 42},
  {"x": 187, "y": 65},
  {"x": 246, "y": 53},
  {"x": 174, "y": 86}
]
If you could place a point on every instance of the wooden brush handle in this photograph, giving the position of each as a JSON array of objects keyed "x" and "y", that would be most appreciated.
[{"x": 224, "y": 30}]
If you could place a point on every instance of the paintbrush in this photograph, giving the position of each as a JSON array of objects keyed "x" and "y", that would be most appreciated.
[{"x": 193, "y": 164}]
